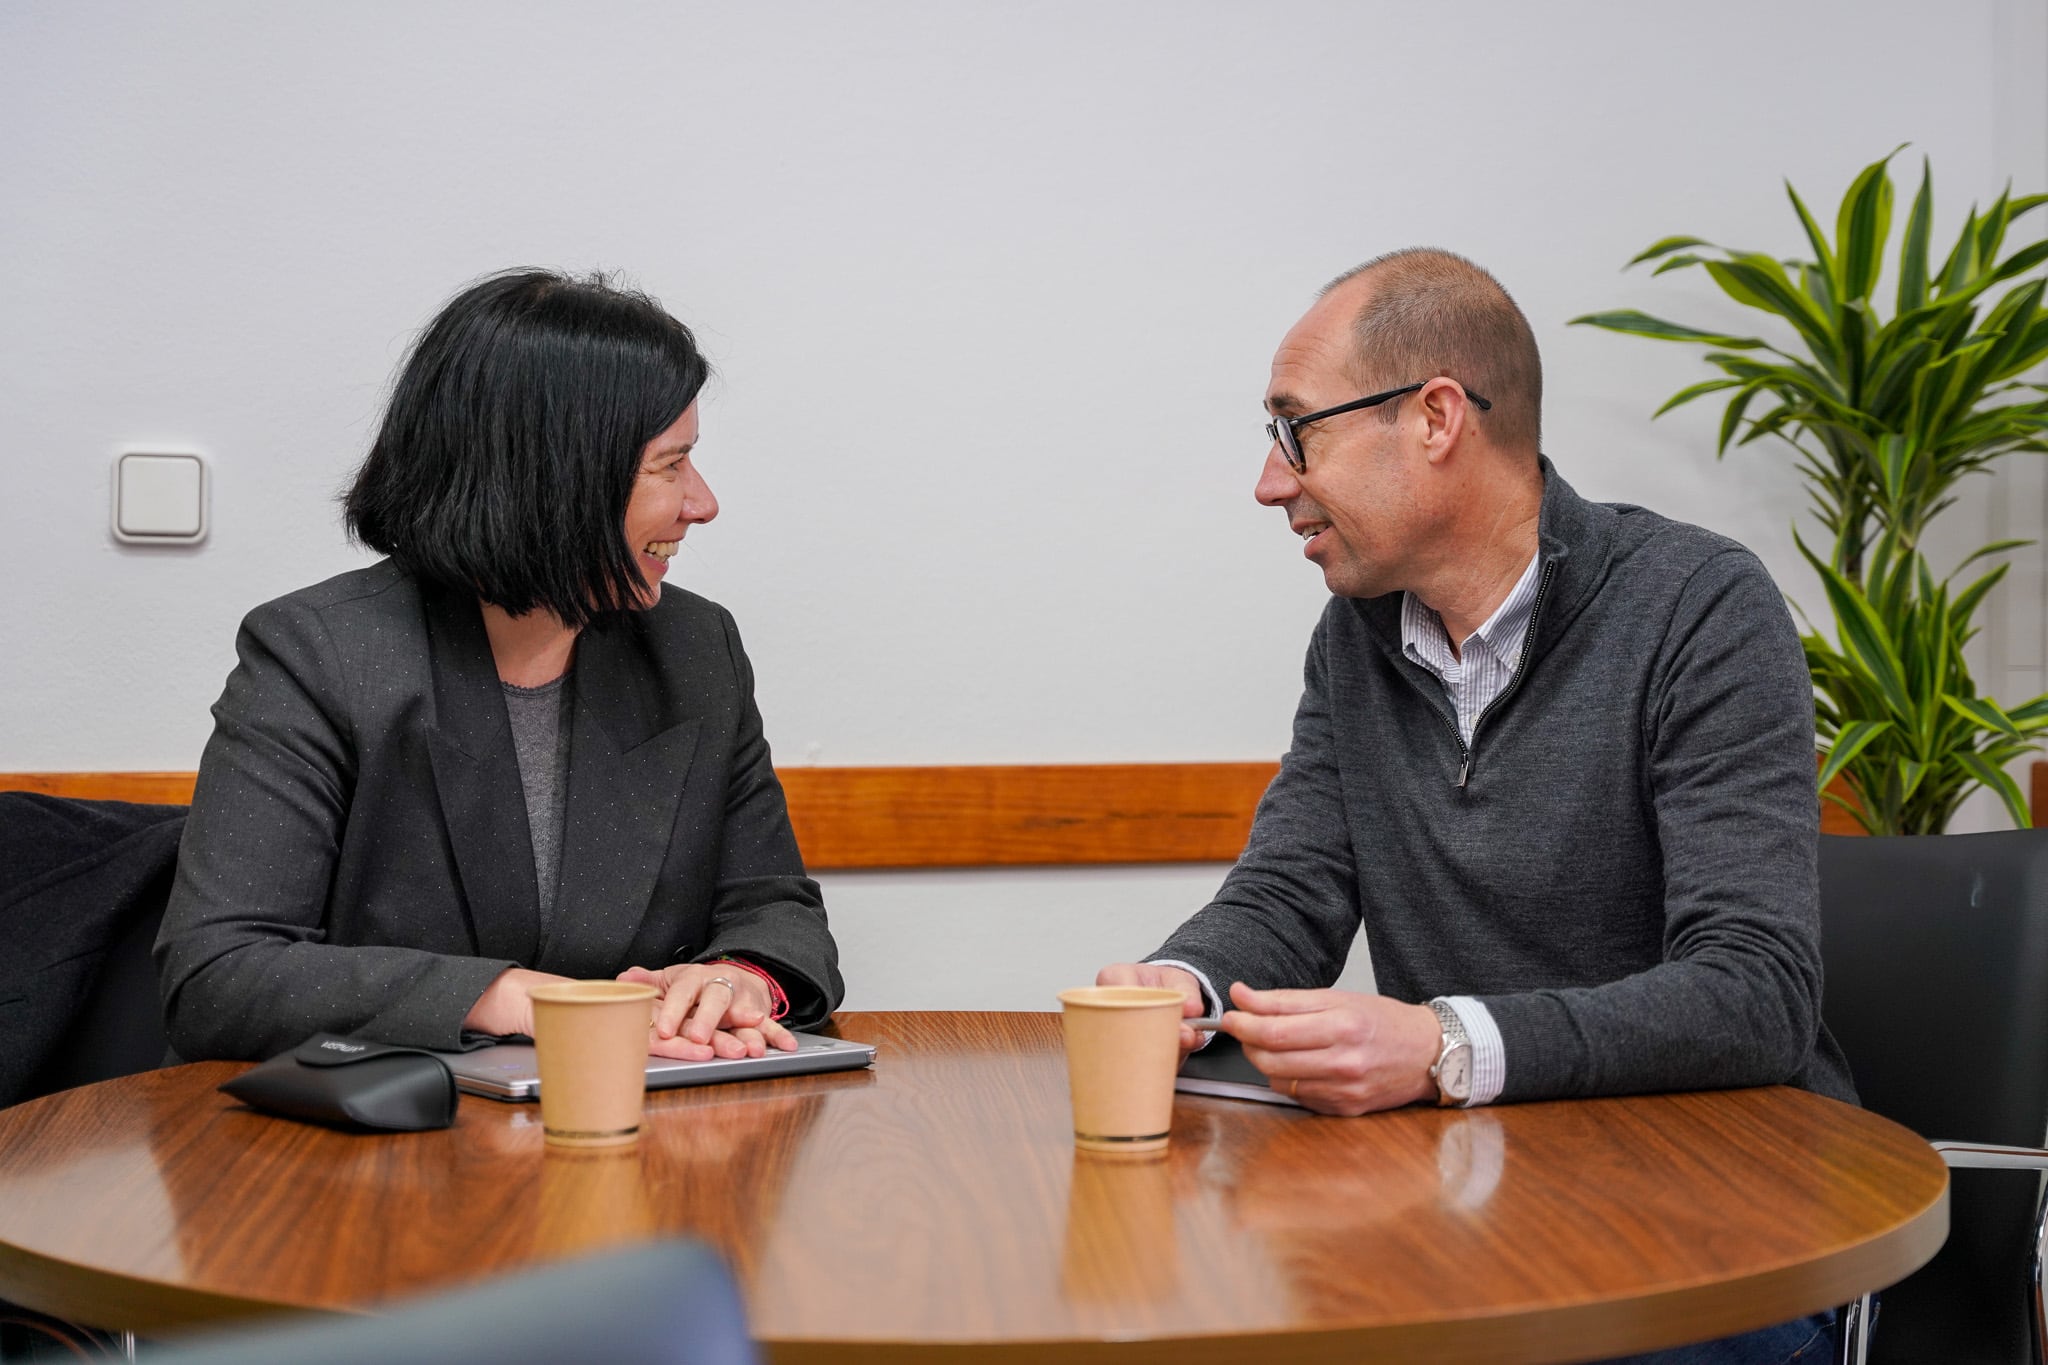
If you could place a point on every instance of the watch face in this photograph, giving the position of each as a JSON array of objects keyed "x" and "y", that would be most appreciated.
[{"x": 1456, "y": 1079}]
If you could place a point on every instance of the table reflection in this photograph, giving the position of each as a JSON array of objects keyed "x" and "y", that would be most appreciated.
[
  {"x": 710, "y": 1167},
  {"x": 1120, "y": 1241},
  {"x": 1319, "y": 1221}
]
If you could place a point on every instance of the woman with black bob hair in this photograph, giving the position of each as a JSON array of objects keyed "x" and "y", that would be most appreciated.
[{"x": 505, "y": 754}]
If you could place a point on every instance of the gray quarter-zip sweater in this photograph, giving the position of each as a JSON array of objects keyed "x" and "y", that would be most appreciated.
[{"x": 1620, "y": 866}]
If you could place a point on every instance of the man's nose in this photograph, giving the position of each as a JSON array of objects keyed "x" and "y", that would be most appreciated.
[{"x": 1276, "y": 483}]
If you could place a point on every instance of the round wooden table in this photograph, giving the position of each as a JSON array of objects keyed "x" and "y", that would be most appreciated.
[{"x": 934, "y": 1209}]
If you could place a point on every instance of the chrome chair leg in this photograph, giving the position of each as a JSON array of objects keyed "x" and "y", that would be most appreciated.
[
  {"x": 127, "y": 1340},
  {"x": 2041, "y": 1283},
  {"x": 1852, "y": 1333}
]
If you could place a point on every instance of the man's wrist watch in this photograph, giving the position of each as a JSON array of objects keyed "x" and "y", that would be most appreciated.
[{"x": 1452, "y": 1071}]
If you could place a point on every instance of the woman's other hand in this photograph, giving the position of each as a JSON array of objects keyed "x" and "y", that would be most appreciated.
[
  {"x": 505, "y": 1007},
  {"x": 711, "y": 1009}
]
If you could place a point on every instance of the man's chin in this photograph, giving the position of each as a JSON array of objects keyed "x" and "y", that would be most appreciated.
[
  {"x": 1343, "y": 584},
  {"x": 1340, "y": 583}
]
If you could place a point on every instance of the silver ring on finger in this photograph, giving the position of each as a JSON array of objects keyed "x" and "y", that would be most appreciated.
[{"x": 723, "y": 981}]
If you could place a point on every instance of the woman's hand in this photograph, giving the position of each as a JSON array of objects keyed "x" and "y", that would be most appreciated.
[
  {"x": 711, "y": 1009},
  {"x": 505, "y": 1007}
]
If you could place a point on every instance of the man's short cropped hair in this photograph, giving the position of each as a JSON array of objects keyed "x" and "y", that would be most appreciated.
[
  {"x": 1431, "y": 312},
  {"x": 513, "y": 439}
]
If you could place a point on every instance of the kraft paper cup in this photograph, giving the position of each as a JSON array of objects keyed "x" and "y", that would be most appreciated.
[
  {"x": 1123, "y": 1046},
  {"x": 591, "y": 1038}
]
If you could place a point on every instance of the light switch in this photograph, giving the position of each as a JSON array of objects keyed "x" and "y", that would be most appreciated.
[{"x": 159, "y": 499}]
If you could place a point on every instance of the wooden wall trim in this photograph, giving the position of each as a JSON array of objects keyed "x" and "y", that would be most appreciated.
[
  {"x": 1010, "y": 816},
  {"x": 937, "y": 816},
  {"x": 174, "y": 789},
  {"x": 1024, "y": 815}
]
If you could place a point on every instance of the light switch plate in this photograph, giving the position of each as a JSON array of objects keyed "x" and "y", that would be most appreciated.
[{"x": 159, "y": 499}]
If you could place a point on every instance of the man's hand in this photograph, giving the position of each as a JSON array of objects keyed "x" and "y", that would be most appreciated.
[
  {"x": 1338, "y": 1052},
  {"x": 1164, "y": 978}
]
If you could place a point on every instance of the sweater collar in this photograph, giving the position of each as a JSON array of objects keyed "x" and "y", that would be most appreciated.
[{"x": 1575, "y": 542}]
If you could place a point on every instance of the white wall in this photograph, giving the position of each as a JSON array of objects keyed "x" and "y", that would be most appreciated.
[{"x": 992, "y": 289}]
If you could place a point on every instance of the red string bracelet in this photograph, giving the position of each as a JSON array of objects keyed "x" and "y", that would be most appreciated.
[{"x": 778, "y": 999}]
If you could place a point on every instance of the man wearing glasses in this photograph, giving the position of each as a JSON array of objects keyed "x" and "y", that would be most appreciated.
[{"x": 1554, "y": 756}]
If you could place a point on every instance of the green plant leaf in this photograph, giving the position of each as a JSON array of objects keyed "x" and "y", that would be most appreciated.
[
  {"x": 2026, "y": 203},
  {"x": 1984, "y": 713},
  {"x": 1967, "y": 600},
  {"x": 1913, "y": 251},
  {"x": 1761, "y": 282},
  {"x": 1679, "y": 262},
  {"x": 1817, "y": 285},
  {"x": 1996, "y": 547},
  {"x": 1962, "y": 259},
  {"x": 1991, "y": 227},
  {"x": 1912, "y": 773},
  {"x": 2000, "y": 781},
  {"x": 1855, "y": 809},
  {"x": 1823, "y": 254},
  {"x": 1894, "y": 456},
  {"x": 1686, "y": 395},
  {"x": 1885, "y": 397},
  {"x": 1664, "y": 247},
  {"x": 2021, "y": 261},
  {"x": 1731, "y": 416},
  {"x": 1853, "y": 740},
  {"x": 1862, "y": 226},
  {"x": 1643, "y": 325},
  {"x": 1864, "y": 637},
  {"x": 1853, "y": 326}
]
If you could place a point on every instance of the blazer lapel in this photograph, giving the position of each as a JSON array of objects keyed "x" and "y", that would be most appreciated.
[
  {"x": 629, "y": 757},
  {"x": 476, "y": 775}
]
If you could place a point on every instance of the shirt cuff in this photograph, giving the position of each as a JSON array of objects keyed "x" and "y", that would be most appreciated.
[
  {"x": 1212, "y": 1003},
  {"x": 1489, "y": 1053}
]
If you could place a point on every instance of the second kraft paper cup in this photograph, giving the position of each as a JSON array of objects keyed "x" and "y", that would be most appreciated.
[
  {"x": 591, "y": 1040},
  {"x": 1123, "y": 1046}
]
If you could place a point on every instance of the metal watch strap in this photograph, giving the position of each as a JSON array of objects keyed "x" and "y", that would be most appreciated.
[{"x": 1454, "y": 1037}]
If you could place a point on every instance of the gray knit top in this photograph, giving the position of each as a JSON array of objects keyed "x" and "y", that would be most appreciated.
[{"x": 540, "y": 739}]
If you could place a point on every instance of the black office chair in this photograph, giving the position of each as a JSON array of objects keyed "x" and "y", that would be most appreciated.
[
  {"x": 1936, "y": 950},
  {"x": 671, "y": 1303},
  {"x": 82, "y": 890}
]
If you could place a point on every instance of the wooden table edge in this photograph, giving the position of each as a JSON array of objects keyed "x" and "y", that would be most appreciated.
[
  {"x": 1564, "y": 1333},
  {"x": 130, "y": 1303}
]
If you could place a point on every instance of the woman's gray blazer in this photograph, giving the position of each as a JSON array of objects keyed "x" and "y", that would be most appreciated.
[{"x": 357, "y": 859}]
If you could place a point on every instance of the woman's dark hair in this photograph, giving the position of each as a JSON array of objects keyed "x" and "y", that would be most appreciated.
[{"x": 513, "y": 440}]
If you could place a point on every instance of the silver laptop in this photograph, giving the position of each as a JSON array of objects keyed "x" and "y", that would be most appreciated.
[{"x": 509, "y": 1071}]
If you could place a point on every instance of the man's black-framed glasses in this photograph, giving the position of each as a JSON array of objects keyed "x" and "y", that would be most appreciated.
[{"x": 1285, "y": 431}]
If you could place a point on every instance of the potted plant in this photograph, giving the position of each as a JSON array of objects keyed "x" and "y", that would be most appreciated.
[{"x": 1884, "y": 416}]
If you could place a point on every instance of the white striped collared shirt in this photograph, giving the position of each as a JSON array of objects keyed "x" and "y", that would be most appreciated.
[{"x": 1481, "y": 668}]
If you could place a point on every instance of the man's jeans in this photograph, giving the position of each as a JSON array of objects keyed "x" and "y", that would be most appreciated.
[{"x": 1806, "y": 1341}]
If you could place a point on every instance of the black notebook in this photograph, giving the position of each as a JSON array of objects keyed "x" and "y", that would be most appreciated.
[{"x": 1222, "y": 1069}]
